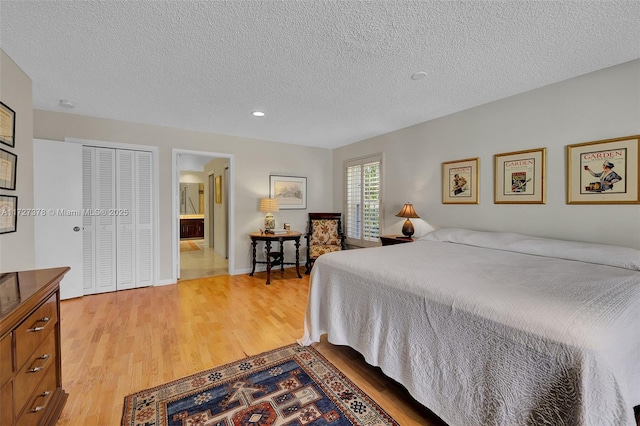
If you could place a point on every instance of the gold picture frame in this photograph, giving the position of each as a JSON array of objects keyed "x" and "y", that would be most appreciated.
[
  {"x": 604, "y": 171},
  {"x": 460, "y": 181},
  {"x": 519, "y": 177},
  {"x": 219, "y": 189}
]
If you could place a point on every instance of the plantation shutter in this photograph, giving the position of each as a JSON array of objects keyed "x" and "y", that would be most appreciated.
[{"x": 363, "y": 195}]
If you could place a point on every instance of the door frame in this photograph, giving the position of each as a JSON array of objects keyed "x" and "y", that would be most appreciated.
[
  {"x": 155, "y": 188},
  {"x": 175, "y": 196}
]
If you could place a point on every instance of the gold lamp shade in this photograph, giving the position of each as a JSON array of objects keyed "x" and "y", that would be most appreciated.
[
  {"x": 268, "y": 205},
  {"x": 407, "y": 212}
]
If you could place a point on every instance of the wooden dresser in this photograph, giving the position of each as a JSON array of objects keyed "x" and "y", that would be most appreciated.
[{"x": 30, "y": 365}]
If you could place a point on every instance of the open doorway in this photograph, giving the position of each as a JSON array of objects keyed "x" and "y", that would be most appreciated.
[{"x": 202, "y": 203}]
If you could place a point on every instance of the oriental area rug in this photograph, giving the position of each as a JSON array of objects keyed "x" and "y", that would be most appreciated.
[{"x": 292, "y": 385}]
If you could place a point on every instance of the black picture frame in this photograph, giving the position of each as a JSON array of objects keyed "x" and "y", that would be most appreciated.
[
  {"x": 8, "y": 165},
  {"x": 7, "y": 125},
  {"x": 8, "y": 214}
]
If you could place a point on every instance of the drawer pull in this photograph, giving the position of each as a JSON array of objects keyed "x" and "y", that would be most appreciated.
[
  {"x": 35, "y": 329},
  {"x": 38, "y": 408},
  {"x": 45, "y": 393},
  {"x": 36, "y": 369}
]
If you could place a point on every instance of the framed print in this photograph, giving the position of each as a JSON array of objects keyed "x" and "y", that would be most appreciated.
[
  {"x": 9, "y": 292},
  {"x": 519, "y": 177},
  {"x": 291, "y": 191},
  {"x": 7, "y": 125},
  {"x": 8, "y": 213},
  {"x": 219, "y": 189},
  {"x": 7, "y": 169},
  {"x": 460, "y": 181},
  {"x": 604, "y": 172}
]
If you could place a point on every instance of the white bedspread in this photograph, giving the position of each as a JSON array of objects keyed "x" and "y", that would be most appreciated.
[{"x": 485, "y": 336}]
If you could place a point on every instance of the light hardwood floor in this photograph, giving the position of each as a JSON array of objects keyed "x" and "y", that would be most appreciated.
[{"x": 115, "y": 344}]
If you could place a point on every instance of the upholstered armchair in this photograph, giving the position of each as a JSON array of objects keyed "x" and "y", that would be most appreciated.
[{"x": 324, "y": 235}]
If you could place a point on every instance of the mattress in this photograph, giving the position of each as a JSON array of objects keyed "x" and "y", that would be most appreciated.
[{"x": 491, "y": 328}]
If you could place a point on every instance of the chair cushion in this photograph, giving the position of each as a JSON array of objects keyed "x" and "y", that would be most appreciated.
[
  {"x": 325, "y": 232},
  {"x": 316, "y": 251}
]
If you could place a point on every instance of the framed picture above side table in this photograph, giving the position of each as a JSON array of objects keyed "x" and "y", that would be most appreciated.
[
  {"x": 290, "y": 191},
  {"x": 604, "y": 172}
]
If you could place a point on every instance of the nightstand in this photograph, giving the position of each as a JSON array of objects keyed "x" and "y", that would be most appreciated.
[{"x": 389, "y": 240}]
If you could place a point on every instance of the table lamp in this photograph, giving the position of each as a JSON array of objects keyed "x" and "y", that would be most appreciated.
[
  {"x": 407, "y": 211},
  {"x": 269, "y": 205}
]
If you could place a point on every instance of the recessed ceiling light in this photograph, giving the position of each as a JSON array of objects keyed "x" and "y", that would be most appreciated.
[
  {"x": 419, "y": 75},
  {"x": 257, "y": 114},
  {"x": 66, "y": 103}
]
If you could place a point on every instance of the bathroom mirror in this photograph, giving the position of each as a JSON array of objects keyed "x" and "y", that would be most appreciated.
[{"x": 191, "y": 198}]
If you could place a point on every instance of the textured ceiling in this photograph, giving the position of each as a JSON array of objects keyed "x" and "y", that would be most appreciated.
[{"x": 327, "y": 73}]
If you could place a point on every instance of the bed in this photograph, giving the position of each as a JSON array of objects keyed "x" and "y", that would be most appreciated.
[{"x": 489, "y": 328}]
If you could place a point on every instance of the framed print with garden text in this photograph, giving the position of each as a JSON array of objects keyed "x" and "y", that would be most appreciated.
[
  {"x": 604, "y": 172},
  {"x": 519, "y": 177},
  {"x": 460, "y": 181}
]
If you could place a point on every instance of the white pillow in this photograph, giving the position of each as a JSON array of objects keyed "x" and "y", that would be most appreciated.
[{"x": 621, "y": 257}]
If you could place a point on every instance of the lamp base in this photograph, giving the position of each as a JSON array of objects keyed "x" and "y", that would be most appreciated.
[
  {"x": 269, "y": 222},
  {"x": 407, "y": 228}
]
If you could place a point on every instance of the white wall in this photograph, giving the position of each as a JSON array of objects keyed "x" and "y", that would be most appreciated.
[
  {"x": 600, "y": 105},
  {"x": 254, "y": 161},
  {"x": 17, "y": 249}
]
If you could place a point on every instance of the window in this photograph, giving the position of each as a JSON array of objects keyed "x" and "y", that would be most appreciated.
[{"x": 363, "y": 195}]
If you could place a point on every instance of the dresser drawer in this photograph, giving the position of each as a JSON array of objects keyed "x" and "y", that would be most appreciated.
[
  {"x": 38, "y": 402},
  {"x": 35, "y": 329},
  {"x": 33, "y": 372},
  {"x": 6, "y": 364}
]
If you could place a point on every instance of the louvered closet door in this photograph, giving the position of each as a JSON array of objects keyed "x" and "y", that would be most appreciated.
[
  {"x": 144, "y": 215},
  {"x": 88, "y": 221},
  {"x": 105, "y": 202},
  {"x": 125, "y": 219},
  {"x": 118, "y": 224}
]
